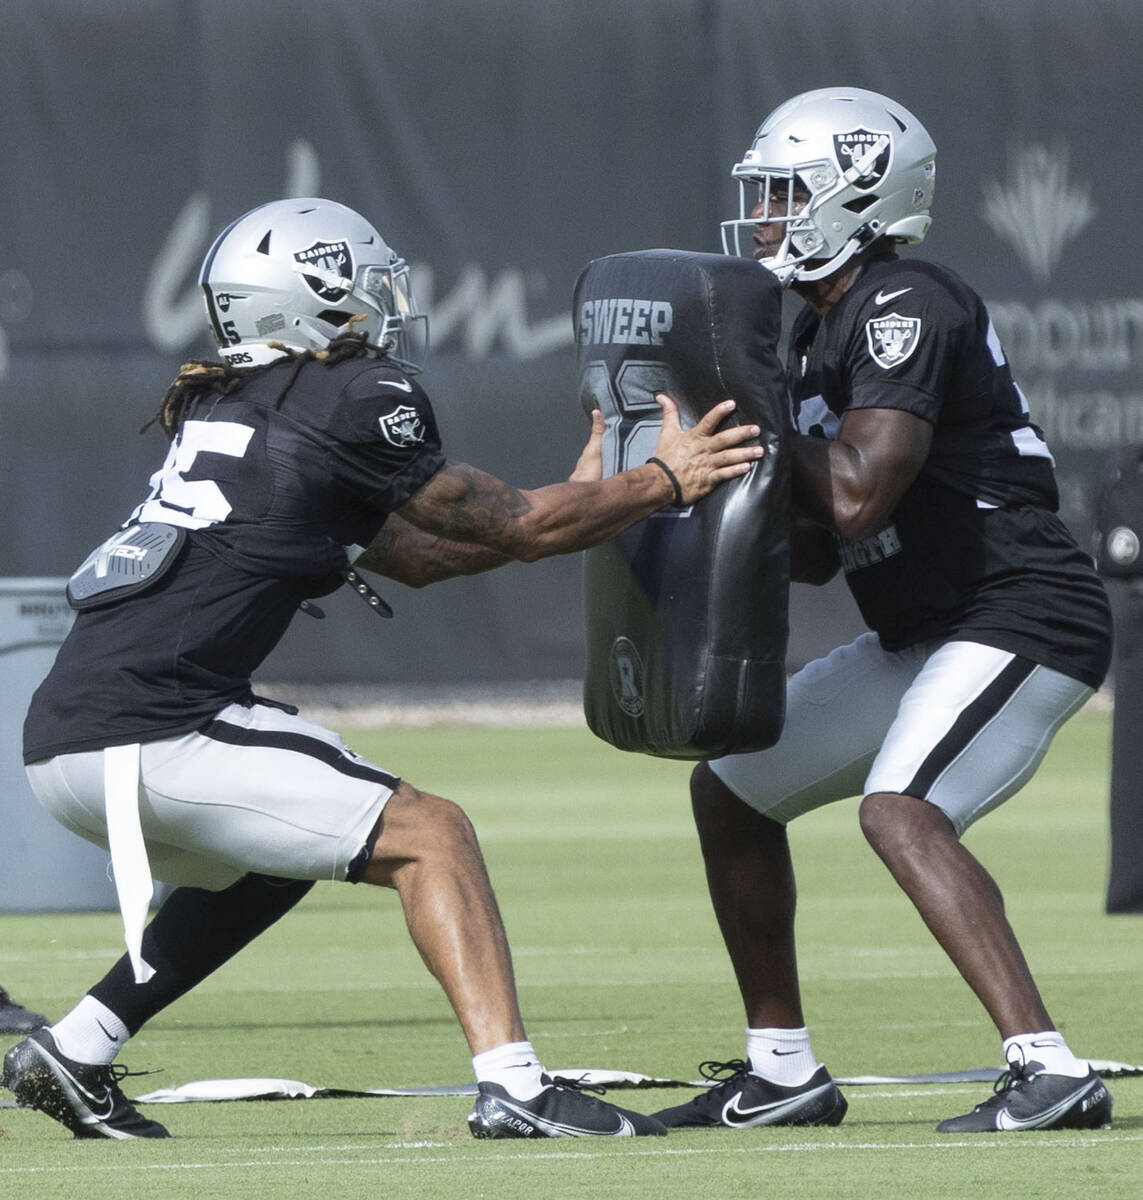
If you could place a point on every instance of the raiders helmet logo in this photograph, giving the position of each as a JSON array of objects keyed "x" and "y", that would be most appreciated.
[
  {"x": 853, "y": 147},
  {"x": 333, "y": 258},
  {"x": 892, "y": 339},
  {"x": 403, "y": 426}
]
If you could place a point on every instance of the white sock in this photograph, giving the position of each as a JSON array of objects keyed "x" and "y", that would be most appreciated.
[
  {"x": 513, "y": 1066},
  {"x": 781, "y": 1055},
  {"x": 90, "y": 1033},
  {"x": 1047, "y": 1048}
]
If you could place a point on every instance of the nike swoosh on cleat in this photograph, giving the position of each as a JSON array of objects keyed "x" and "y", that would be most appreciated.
[
  {"x": 556, "y": 1129},
  {"x": 403, "y": 386},
  {"x": 885, "y": 297},
  {"x": 733, "y": 1115},
  {"x": 1004, "y": 1121},
  {"x": 94, "y": 1102}
]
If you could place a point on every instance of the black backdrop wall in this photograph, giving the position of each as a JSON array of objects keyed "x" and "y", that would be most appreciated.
[{"x": 500, "y": 145}]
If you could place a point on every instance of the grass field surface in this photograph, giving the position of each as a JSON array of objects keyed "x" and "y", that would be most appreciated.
[{"x": 619, "y": 965}]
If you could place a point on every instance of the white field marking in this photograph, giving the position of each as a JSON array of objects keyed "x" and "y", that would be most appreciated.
[
  {"x": 865, "y": 1092},
  {"x": 1007, "y": 1143},
  {"x": 601, "y": 951},
  {"x": 40, "y": 955},
  {"x": 721, "y": 1030},
  {"x": 554, "y": 1036}
]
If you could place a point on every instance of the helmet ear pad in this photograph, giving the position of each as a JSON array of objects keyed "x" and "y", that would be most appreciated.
[{"x": 336, "y": 317}]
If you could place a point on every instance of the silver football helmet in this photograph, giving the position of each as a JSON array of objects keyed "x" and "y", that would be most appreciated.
[
  {"x": 830, "y": 172},
  {"x": 296, "y": 272}
]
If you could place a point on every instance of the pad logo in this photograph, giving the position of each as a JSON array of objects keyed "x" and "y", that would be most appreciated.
[
  {"x": 1122, "y": 546},
  {"x": 402, "y": 427},
  {"x": 892, "y": 339},
  {"x": 853, "y": 149},
  {"x": 334, "y": 258},
  {"x": 626, "y": 673}
]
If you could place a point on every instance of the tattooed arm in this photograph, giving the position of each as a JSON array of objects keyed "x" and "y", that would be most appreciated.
[
  {"x": 467, "y": 505},
  {"x": 402, "y": 552}
]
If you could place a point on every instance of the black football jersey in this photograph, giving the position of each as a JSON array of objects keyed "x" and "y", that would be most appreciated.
[
  {"x": 272, "y": 490},
  {"x": 974, "y": 549}
]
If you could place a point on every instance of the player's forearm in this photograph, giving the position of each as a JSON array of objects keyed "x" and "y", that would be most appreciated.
[
  {"x": 464, "y": 504},
  {"x": 566, "y": 517},
  {"x": 402, "y": 552}
]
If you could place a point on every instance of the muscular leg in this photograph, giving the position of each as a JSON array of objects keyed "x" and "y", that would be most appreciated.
[
  {"x": 427, "y": 850},
  {"x": 959, "y": 902},
  {"x": 751, "y": 881}
]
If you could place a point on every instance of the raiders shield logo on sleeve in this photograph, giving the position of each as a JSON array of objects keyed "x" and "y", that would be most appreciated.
[
  {"x": 403, "y": 426},
  {"x": 892, "y": 338}
]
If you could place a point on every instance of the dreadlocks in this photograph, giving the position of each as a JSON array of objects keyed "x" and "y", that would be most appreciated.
[{"x": 196, "y": 379}]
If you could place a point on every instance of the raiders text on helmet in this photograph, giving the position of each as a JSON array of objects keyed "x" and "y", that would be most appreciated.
[
  {"x": 296, "y": 272},
  {"x": 836, "y": 168}
]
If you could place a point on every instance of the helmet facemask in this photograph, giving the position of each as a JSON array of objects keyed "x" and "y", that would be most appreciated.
[{"x": 379, "y": 303}]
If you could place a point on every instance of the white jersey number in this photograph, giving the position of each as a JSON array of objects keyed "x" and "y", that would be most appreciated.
[{"x": 196, "y": 503}]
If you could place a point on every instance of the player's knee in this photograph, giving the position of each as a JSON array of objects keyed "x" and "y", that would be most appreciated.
[
  {"x": 448, "y": 825},
  {"x": 726, "y": 823},
  {"x": 897, "y": 823},
  {"x": 876, "y": 817},
  {"x": 706, "y": 796},
  {"x": 417, "y": 826}
]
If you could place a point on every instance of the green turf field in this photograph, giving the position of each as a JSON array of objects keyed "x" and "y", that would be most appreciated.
[{"x": 620, "y": 966}]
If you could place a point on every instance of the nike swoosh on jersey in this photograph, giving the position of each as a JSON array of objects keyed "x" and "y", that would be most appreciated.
[
  {"x": 403, "y": 386},
  {"x": 885, "y": 297},
  {"x": 733, "y": 1115}
]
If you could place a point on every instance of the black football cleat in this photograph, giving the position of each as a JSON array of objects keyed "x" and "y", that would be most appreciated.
[
  {"x": 1027, "y": 1097},
  {"x": 14, "y": 1018},
  {"x": 84, "y": 1097},
  {"x": 746, "y": 1100},
  {"x": 560, "y": 1110}
]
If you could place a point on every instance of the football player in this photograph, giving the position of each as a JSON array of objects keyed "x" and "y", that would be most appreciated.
[
  {"x": 917, "y": 469},
  {"x": 309, "y": 452}
]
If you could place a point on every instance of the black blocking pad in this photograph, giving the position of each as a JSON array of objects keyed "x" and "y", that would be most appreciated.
[{"x": 687, "y": 611}]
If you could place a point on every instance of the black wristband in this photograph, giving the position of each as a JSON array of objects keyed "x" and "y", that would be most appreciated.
[{"x": 671, "y": 476}]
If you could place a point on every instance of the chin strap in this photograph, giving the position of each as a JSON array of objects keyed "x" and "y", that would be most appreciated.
[{"x": 861, "y": 240}]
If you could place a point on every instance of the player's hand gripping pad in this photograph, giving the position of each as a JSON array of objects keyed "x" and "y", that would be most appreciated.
[{"x": 686, "y": 611}]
